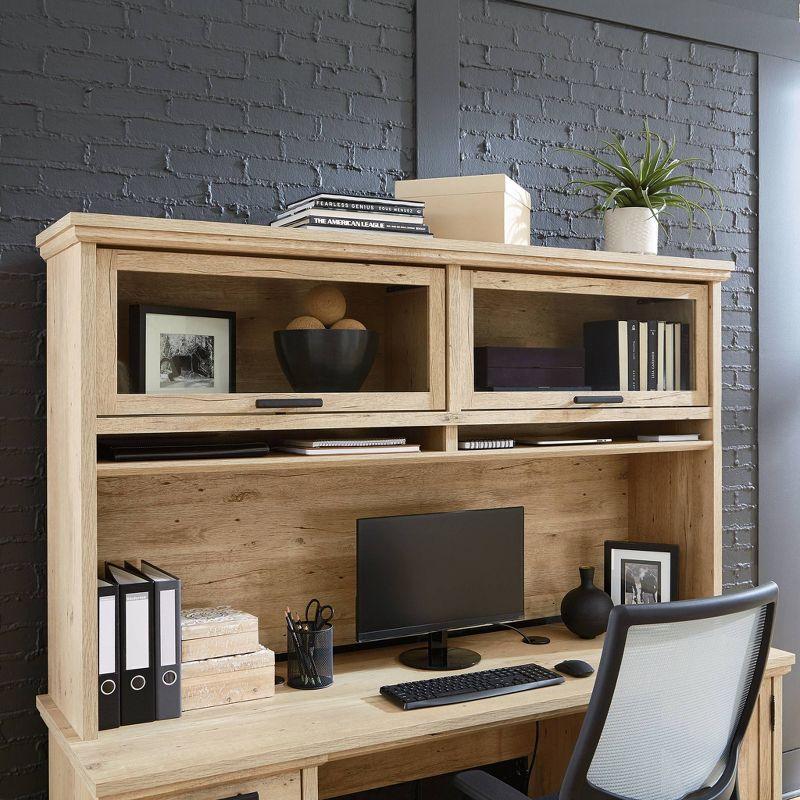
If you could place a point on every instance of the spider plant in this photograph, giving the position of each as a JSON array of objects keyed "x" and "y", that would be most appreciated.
[{"x": 648, "y": 182}]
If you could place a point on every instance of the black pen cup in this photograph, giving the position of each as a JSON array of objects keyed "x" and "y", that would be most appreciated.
[{"x": 309, "y": 655}]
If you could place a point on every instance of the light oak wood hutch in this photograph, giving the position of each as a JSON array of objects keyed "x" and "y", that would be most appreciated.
[{"x": 264, "y": 533}]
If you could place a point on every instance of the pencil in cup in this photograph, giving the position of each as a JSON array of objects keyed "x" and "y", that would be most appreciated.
[{"x": 309, "y": 656}]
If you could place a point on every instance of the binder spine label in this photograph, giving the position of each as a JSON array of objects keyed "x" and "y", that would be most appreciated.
[
  {"x": 167, "y": 615},
  {"x": 107, "y": 622},
  {"x": 137, "y": 630}
]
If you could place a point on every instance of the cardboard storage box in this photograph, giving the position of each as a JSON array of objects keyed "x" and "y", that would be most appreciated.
[
  {"x": 480, "y": 208},
  {"x": 219, "y": 631},
  {"x": 233, "y": 679}
]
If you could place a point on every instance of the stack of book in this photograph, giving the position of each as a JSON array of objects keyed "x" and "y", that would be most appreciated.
[
  {"x": 223, "y": 661},
  {"x": 346, "y": 447},
  {"x": 628, "y": 355},
  {"x": 352, "y": 212}
]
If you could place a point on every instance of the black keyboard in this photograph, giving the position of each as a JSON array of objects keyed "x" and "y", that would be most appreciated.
[{"x": 470, "y": 686}]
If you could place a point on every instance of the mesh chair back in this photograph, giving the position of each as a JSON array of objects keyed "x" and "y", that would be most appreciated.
[{"x": 674, "y": 693}]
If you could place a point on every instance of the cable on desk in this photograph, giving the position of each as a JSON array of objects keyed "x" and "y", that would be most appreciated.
[
  {"x": 533, "y": 759},
  {"x": 525, "y": 638}
]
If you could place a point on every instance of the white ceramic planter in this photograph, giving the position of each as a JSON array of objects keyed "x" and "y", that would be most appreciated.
[{"x": 630, "y": 230}]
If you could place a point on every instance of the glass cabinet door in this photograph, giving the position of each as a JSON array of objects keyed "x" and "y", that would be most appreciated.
[
  {"x": 182, "y": 333},
  {"x": 536, "y": 341}
]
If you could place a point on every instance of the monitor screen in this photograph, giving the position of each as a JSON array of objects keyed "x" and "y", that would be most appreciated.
[{"x": 430, "y": 572}]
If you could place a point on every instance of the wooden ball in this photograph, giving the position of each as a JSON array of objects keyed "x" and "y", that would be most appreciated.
[
  {"x": 304, "y": 323},
  {"x": 326, "y": 303},
  {"x": 349, "y": 325}
]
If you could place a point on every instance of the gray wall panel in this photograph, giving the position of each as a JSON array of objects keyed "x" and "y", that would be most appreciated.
[{"x": 779, "y": 369}]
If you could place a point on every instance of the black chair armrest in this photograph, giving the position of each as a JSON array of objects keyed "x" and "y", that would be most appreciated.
[{"x": 480, "y": 785}]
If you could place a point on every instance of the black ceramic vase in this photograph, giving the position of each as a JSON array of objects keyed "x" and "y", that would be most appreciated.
[{"x": 585, "y": 609}]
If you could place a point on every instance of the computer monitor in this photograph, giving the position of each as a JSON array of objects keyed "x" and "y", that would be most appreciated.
[{"x": 430, "y": 573}]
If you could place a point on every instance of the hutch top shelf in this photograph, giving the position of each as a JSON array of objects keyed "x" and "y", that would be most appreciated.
[
  {"x": 431, "y": 302},
  {"x": 108, "y": 230}
]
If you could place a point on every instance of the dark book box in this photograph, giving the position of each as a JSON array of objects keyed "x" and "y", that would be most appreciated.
[
  {"x": 530, "y": 377},
  {"x": 528, "y": 367}
]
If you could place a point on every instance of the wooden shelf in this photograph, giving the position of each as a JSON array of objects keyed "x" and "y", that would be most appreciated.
[
  {"x": 283, "y": 460},
  {"x": 295, "y": 421},
  {"x": 187, "y": 235}
]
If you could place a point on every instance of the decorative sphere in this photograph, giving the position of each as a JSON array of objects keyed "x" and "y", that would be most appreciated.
[
  {"x": 304, "y": 323},
  {"x": 349, "y": 325},
  {"x": 326, "y": 303}
]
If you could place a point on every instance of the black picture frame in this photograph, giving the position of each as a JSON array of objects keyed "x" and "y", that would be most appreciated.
[
  {"x": 138, "y": 332},
  {"x": 671, "y": 549}
]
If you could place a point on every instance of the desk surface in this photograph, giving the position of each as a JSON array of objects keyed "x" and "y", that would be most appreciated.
[{"x": 308, "y": 727}]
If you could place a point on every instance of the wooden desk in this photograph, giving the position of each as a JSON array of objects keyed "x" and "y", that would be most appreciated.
[
  {"x": 305, "y": 745},
  {"x": 261, "y": 534}
]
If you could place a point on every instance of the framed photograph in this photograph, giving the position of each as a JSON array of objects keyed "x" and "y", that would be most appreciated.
[
  {"x": 182, "y": 350},
  {"x": 638, "y": 573}
]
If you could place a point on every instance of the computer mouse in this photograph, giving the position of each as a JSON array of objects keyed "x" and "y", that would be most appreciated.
[{"x": 575, "y": 668}]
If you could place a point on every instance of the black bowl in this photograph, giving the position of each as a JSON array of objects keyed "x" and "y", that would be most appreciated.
[{"x": 326, "y": 360}]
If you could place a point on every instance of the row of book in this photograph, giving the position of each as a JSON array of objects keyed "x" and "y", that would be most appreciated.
[
  {"x": 352, "y": 212},
  {"x": 638, "y": 356}
]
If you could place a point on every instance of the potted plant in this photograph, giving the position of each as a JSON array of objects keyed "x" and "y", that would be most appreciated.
[{"x": 635, "y": 192}]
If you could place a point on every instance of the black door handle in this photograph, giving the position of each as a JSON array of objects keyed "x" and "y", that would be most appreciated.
[
  {"x": 248, "y": 796},
  {"x": 292, "y": 402},
  {"x": 587, "y": 399}
]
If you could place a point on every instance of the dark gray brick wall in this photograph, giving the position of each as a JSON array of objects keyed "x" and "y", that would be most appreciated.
[
  {"x": 533, "y": 81},
  {"x": 203, "y": 109}
]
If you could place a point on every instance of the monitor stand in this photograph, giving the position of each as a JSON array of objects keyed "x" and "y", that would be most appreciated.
[{"x": 437, "y": 655}]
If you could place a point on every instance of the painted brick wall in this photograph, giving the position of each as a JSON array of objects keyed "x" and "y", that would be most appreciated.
[
  {"x": 202, "y": 109},
  {"x": 534, "y": 81}
]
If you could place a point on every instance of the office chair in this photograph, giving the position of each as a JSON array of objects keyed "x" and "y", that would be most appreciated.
[{"x": 673, "y": 695}]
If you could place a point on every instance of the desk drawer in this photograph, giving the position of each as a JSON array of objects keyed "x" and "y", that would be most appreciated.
[{"x": 287, "y": 786}]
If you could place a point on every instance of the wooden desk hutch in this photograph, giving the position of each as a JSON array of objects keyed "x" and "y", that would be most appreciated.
[{"x": 264, "y": 533}]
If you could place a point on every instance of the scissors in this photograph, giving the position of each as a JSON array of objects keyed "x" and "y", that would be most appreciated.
[{"x": 318, "y": 615}]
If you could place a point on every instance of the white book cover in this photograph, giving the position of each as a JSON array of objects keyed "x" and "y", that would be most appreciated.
[
  {"x": 642, "y": 356},
  {"x": 670, "y": 437},
  {"x": 669, "y": 356},
  {"x": 660, "y": 357},
  {"x": 622, "y": 344}
]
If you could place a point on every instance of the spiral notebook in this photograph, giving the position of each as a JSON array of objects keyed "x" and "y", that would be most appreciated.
[
  {"x": 308, "y": 443},
  {"x": 486, "y": 444}
]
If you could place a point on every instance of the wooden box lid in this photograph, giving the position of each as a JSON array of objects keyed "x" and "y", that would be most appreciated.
[
  {"x": 204, "y": 623},
  {"x": 466, "y": 184}
]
